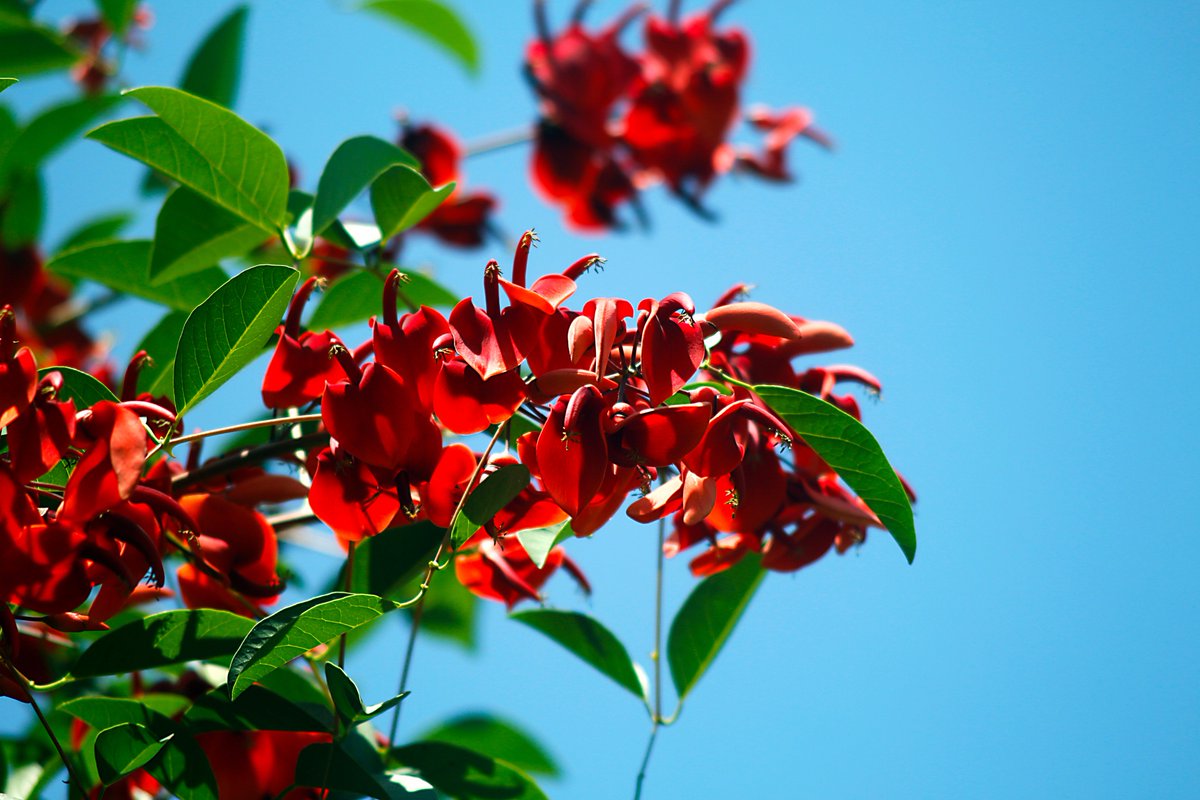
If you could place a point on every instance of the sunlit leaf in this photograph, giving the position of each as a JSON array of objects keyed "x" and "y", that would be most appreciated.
[
  {"x": 538, "y": 542},
  {"x": 192, "y": 234},
  {"x": 401, "y": 197},
  {"x": 294, "y": 705},
  {"x": 123, "y": 748},
  {"x": 354, "y": 166},
  {"x": 355, "y": 298},
  {"x": 214, "y": 70},
  {"x": 158, "y": 376},
  {"x": 123, "y": 265},
  {"x": 499, "y": 738},
  {"x": 347, "y": 699},
  {"x": 386, "y": 563},
  {"x": 79, "y": 386},
  {"x": 106, "y": 226},
  {"x": 170, "y": 637},
  {"x": 293, "y": 631},
  {"x": 208, "y": 148},
  {"x": 7, "y": 82},
  {"x": 465, "y": 774},
  {"x": 436, "y": 21},
  {"x": 588, "y": 639},
  {"x": 853, "y": 453},
  {"x": 492, "y": 494},
  {"x": 706, "y": 620},
  {"x": 229, "y": 329},
  {"x": 354, "y": 767}
]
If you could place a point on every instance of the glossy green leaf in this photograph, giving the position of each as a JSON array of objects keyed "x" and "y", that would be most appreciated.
[
  {"x": 706, "y": 620},
  {"x": 437, "y": 22},
  {"x": 355, "y": 298},
  {"x": 27, "y": 48},
  {"x": 106, "y": 226},
  {"x": 170, "y": 637},
  {"x": 122, "y": 266},
  {"x": 24, "y": 211},
  {"x": 588, "y": 639},
  {"x": 465, "y": 774},
  {"x": 401, "y": 197},
  {"x": 207, "y": 148},
  {"x": 499, "y": 738},
  {"x": 214, "y": 70},
  {"x": 353, "y": 767},
  {"x": 123, "y": 748},
  {"x": 158, "y": 376},
  {"x": 79, "y": 386},
  {"x": 354, "y": 166},
  {"x": 181, "y": 765},
  {"x": 117, "y": 13},
  {"x": 297, "y": 706},
  {"x": 7, "y": 82},
  {"x": 538, "y": 542},
  {"x": 852, "y": 452},
  {"x": 293, "y": 631},
  {"x": 192, "y": 234},
  {"x": 229, "y": 329},
  {"x": 347, "y": 699},
  {"x": 52, "y": 129},
  {"x": 493, "y": 493},
  {"x": 386, "y": 563}
]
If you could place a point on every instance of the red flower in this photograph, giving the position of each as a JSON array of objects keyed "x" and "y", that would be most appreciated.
[
  {"x": 463, "y": 218},
  {"x": 301, "y": 364}
]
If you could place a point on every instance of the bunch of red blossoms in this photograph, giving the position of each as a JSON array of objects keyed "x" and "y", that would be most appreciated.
[
  {"x": 608, "y": 389},
  {"x": 614, "y": 122}
]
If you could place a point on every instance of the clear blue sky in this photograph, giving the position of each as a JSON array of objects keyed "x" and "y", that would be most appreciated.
[{"x": 1008, "y": 229}]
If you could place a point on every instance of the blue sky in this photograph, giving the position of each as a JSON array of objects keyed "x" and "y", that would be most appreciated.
[{"x": 1007, "y": 228}]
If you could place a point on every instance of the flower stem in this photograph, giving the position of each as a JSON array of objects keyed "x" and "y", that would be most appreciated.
[
  {"x": 499, "y": 141},
  {"x": 347, "y": 586},
  {"x": 655, "y": 656},
  {"x": 415, "y": 625},
  {"x": 26, "y": 685},
  {"x": 245, "y": 426}
]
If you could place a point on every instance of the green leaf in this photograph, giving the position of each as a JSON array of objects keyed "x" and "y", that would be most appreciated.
[
  {"x": 171, "y": 637},
  {"x": 52, "y": 129},
  {"x": 117, "y": 13},
  {"x": 450, "y": 611},
  {"x": 298, "y": 706},
  {"x": 122, "y": 266},
  {"x": 706, "y": 619},
  {"x": 401, "y": 197},
  {"x": 499, "y": 738},
  {"x": 347, "y": 700},
  {"x": 214, "y": 70},
  {"x": 158, "y": 376},
  {"x": 355, "y": 298},
  {"x": 192, "y": 234},
  {"x": 181, "y": 765},
  {"x": 7, "y": 82},
  {"x": 492, "y": 494},
  {"x": 79, "y": 386},
  {"x": 437, "y": 22},
  {"x": 123, "y": 748},
  {"x": 27, "y": 48},
  {"x": 293, "y": 631},
  {"x": 107, "y": 226},
  {"x": 852, "y": 452},
  {"x": 353, "y": 766},
  {"x": 386, "y": 563},
  {"x": 588, "y": 639},
  {"x": 354, "y": 166},
  {"x": 23, "y": 213},
  {"x": 229, "y": 329},
  {"x": 208, "y": 148},
  {"x": 538, "y": 542},
  {"x": 467, "y": 775}
]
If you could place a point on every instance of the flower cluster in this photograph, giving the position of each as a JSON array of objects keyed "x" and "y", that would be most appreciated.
[
  {"x": 615, "y": 398},
  {"x": 613, "y": 122}
]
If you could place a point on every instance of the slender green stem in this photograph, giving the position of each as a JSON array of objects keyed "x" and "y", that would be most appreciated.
[
  {"x": 656, "y": 719},
  {"x": 245, "y": 426},
  {"x": 414, "y": 626},
  {"x": 637, "y": 792},
  {"x": 27, "y": 685}
]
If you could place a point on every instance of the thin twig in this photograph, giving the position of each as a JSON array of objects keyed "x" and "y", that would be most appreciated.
[
  {"x": 499, "y": 141},
  {"x": 245, "y": 426},
  {"x": 26, "y": 685},
  {"x": 415, "y": 625}
]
